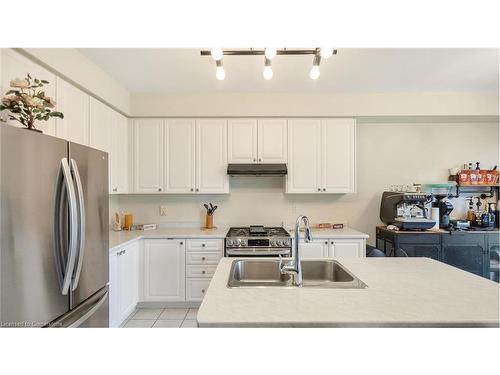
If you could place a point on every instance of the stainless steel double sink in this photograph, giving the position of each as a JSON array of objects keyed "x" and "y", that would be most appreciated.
[{"x": 320, "y": 273}]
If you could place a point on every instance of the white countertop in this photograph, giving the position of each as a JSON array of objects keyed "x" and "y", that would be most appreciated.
[
  {"x": 407, "y": 292},
  {"x": 122, "y": 238},
  {"x": 346, "y": 232},
  {"x": 117, "y": 239}
]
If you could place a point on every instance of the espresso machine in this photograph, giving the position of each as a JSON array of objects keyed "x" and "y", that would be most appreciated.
[{"x": 406, "y": 210}]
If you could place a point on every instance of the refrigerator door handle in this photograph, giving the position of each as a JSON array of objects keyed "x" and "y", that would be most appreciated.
[
  {"x": 65, "y": 269},
  {"x": 82, "y": 312},
  {"x": 81, "y": 226}
]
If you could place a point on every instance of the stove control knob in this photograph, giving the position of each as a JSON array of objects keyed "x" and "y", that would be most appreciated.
[
  {"x": 273, "y": 243},
  {"x": 229, "y": 242},
  {"x": 243, "y": 242}
]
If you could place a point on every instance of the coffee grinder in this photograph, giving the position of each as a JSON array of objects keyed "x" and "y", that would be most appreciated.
[{"x": 445, "y": 208}]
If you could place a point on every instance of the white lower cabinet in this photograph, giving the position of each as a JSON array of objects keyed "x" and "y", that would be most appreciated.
[
  {"x": 347, "y": 248},
  {"x": 164, "y": 270},
  {"x": 196, "y": 289},
  {"x": 333, "y": 248},
  {"x": 313, "y": 249},
  {"x": 123, "y": 283}
]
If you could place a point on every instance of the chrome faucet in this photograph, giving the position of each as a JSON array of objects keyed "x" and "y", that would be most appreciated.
[{"x": 294, "y": 266}]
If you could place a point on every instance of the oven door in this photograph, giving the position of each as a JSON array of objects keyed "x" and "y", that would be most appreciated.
[{"x": 258, "y": 252}]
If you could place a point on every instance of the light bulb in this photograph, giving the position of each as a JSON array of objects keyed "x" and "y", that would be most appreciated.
[
  {"x": 270, "y": 53},
  {"x": 314, "y": 73},
  {"x": 326, "y": 53},
  {"x": 220, "y": 73},
  {"x": 267, "y": 73},
  {"x": 216, "y": 53}
]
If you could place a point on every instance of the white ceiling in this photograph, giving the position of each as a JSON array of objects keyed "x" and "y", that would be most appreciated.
[{"x": 351, "y": 70}]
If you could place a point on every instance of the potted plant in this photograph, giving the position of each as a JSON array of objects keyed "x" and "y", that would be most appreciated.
[{"x": 27, "y": 102}]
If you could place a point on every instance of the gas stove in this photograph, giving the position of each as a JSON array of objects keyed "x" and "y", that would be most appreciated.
[{"x": 258, "y": 240}]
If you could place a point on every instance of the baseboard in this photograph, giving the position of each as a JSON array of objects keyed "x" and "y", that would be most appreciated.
[{"x": 162, "y": 305}]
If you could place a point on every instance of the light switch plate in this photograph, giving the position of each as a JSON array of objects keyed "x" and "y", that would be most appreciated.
[{"x": 163, "y": 210}]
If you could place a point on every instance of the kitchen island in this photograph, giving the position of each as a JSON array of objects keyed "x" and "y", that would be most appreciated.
[{"x": 401, "y": 292}]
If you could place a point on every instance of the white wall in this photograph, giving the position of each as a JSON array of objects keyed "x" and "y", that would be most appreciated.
[
  {"x": 321, "y": 104},
  {"x": 388, "y": 153},
  {"x": 73, "y": 66}
]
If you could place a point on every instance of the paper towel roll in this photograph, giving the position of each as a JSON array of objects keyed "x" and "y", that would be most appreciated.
[{"x": 435, "y": 217}]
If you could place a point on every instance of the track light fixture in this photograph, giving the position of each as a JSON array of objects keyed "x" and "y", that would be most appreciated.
[
  {"x": 269, "y": 54},
  {"x": 220, "y": 74},
  {"x": 314, "y": 73},
  {"x": 268, "y": 71}
]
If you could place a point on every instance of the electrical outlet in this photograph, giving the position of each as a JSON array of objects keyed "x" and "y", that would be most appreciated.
[{"x": 163, "y": 210}]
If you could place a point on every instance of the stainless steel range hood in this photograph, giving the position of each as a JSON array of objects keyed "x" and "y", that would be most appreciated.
[{"x": 256, "y": 169}]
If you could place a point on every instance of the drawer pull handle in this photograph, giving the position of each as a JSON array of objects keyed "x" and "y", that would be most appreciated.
[
  {"x": 203, "y": 291},
  {"x": 203, "y": 272},
  {"x": 203, "y": 258}
]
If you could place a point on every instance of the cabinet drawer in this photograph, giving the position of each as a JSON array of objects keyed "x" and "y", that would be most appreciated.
[
  {"x": 198, "y": 244},
  {"x": 200, "y": 271},
  {"x": 196, "y": 289},
  {"x": 211, "y": 257}
]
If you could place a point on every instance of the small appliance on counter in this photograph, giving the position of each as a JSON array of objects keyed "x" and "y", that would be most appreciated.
[
  {"x": 440, "y": 194},
  {"x": 406, "y": 210}
]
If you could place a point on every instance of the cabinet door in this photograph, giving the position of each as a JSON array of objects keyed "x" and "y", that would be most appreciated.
[
  {"x": 211, "y": 157},
  {"x": 347, "y": 248},
  {"x": 128, "y": 279},
  {"x": 15, "y": 65},
  {"x": 467, "y": 252},
  {"x": 419, "y": 250},
  {"x": 74, "y": 104},
  {"x": 164, "y": 270},
  {"x": 101, "y": 126},
  {"x": 242, "y": 141},
  {"x": 303, "y": 156},
  {"x": 114, "y": 301},
  {"x": 272, "y": 145},
  {"x": 179, "y": 154},
  {"x": 493, "y": 261},
  {"x": 313, "y": 249},
  {"x": 338, "y": 155},
  {"x": 119, "y": 154},
  {"x": 148, "y": 160}
]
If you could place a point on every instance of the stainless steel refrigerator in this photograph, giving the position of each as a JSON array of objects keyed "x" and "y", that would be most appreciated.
[{"x": 54, "y": 232}]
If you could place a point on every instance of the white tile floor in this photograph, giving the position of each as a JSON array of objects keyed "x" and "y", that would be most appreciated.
[{"x": 162, "y": 318}]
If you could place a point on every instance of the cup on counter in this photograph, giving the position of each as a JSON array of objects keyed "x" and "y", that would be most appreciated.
[{"x": 128, "y": 222}]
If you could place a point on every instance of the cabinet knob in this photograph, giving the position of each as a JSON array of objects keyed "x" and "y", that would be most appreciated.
[
  {"x": 182, "y": 243},
  {"x": 260, "y": 159},
  {"x": 319, "y": 189},
  {"x": 115, "y": 189},
  {"x": 324, "y": 189},
  {"x": 203, "y": 291},
  {"x": 197, "y": 189},
  {"x": 192, "y": 189},
  {"x": 326, "y": 242},
  {"x": 159, "y": 189},
  {"x": 203, "y": 245},
  {"x": 254, "y": 160},
  {"x": 203, "y": 272},
  {"x": 203, "y": 258}
]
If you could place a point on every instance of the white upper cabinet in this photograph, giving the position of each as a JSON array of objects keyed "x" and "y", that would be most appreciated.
[
  {"x": 15, "y": 65},
  {"x": 321, "y": 156},
  {"x": 101, "y": 125},
  {"x": 74, "y": 104},
  {"x": 304, "y": 171},
  {"x": 338, "y": 137},
  {"x": 257, "y": 141},
  {"x": 272, "y": 141},
  {"x": 148, "y": 156},
  {"x": 211, "y": 156},
  {"x": 179, "y": 156},
  {"x": 119, "y": 164},
  {"x": 242, "y": 141}
]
